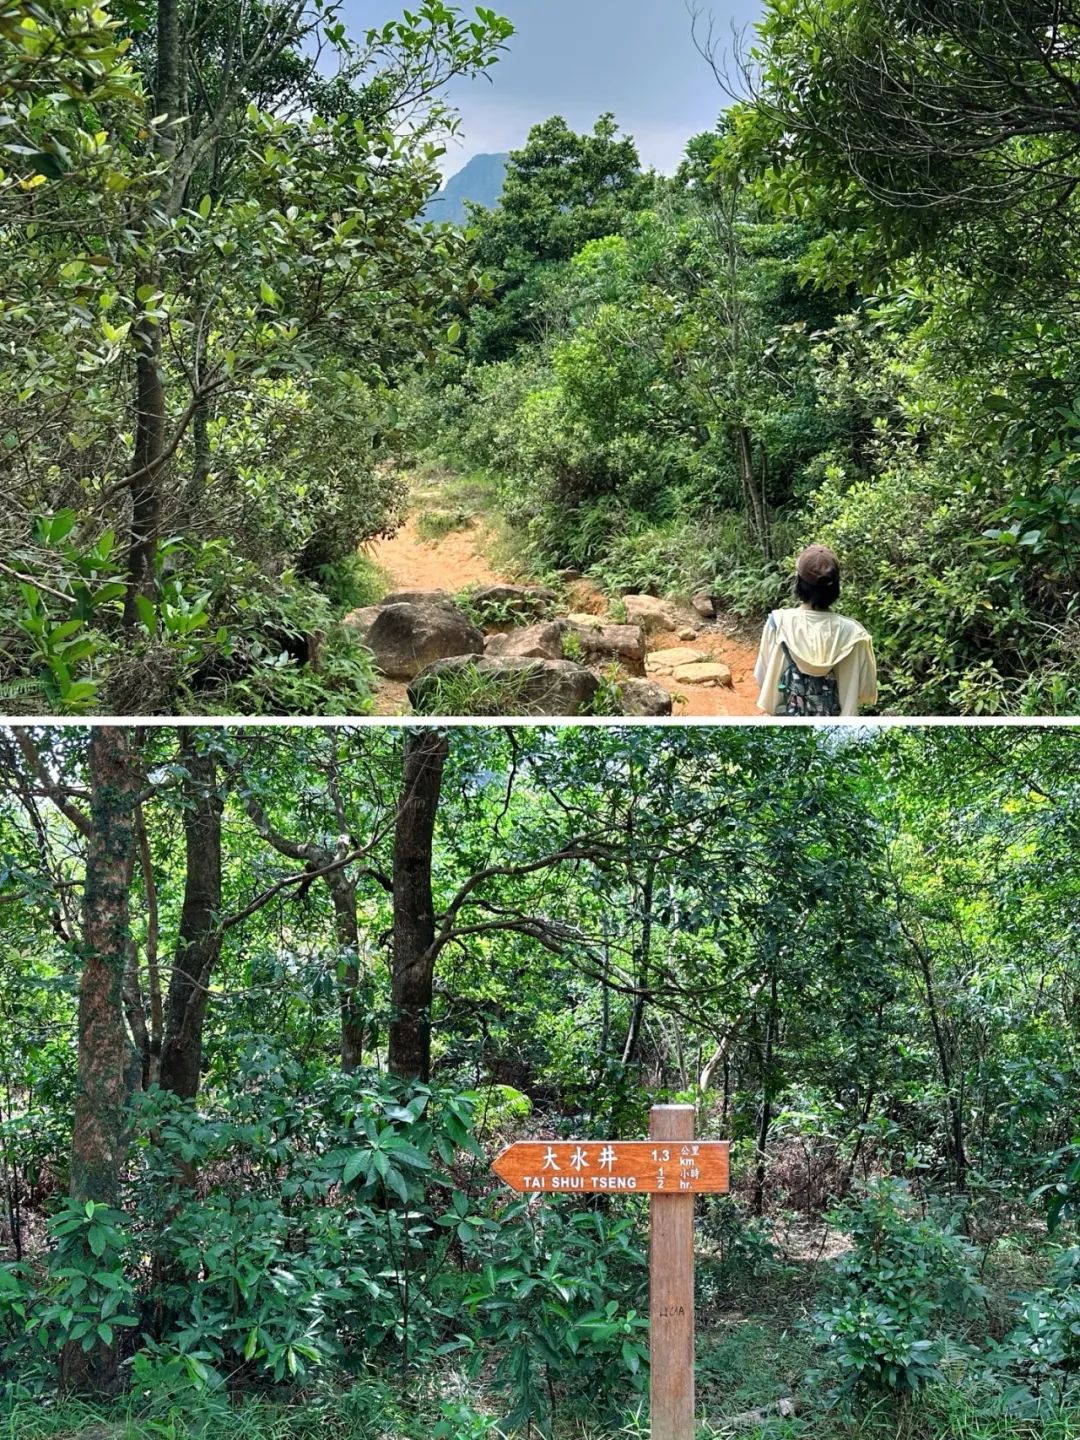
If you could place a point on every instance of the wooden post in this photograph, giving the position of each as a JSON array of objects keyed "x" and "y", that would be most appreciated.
[{"x": 671, "y": 1283}]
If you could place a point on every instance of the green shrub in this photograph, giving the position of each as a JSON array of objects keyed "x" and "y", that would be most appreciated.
[
  {"x": 544, "y": 1300},
  {"x": 1040, "y": 1358},
  {"x": 353, "y": 582},
  {"x": 954, "y": 631},
  {"x": 437, "y": 524},
  {"x": 904, "y": 1279}
]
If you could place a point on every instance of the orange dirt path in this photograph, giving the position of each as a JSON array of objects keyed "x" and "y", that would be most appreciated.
[
  {"x": 451, "y": 563},
  {"x": 458, "y": 559}
]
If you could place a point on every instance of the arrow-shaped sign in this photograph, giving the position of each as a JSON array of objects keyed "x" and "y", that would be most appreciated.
[{"x": 603, "y": 1167}]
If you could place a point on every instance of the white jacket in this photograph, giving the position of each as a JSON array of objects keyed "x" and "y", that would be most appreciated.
[{"x": 820, "y": 641}]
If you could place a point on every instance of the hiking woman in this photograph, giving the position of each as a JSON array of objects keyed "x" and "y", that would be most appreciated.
[{"x": 813, "y": 662}]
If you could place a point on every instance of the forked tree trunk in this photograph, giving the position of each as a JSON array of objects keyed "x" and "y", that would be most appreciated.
[
  {"x": 97, "y": 1137},
  {"x": 414, "y": 909},
  {"x": 198, "y": 946}
]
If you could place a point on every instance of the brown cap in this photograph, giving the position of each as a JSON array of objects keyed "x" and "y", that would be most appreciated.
[{"x": 817, "y": 563}]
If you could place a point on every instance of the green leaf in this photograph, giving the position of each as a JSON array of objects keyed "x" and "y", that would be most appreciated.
[{"x": 357, "y": 1164}]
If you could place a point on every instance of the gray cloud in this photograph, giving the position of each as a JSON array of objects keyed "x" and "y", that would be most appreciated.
[{"x": 579, "y": 58}]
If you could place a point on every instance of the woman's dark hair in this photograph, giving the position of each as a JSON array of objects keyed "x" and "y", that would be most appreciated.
[{"x": 821, "y": 594}]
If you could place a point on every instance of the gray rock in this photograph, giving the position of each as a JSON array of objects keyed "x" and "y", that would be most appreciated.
[
  {"x": 656, "y": 617},
  {"x": 664, "y": 661},
  {"x": 644, "y": 697},
  {"x": 703, "y": 604},
  {"x": 406, "y": 638},
  {"x": 417, "y": 597},
  {"x": 625, "y": 643},
  {"x": 709, "y": 672},
  {"x": 517, "y": 686},
  {"x": 363, "y": 619},
  {"x": 688, "y": 633},
  {"x": 536, "y": 642}
]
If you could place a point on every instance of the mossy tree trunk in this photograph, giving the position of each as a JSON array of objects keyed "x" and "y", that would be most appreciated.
[{"x": 97, "y": 1138}]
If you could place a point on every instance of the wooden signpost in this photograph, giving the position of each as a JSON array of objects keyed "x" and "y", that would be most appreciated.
[{"x": 671, "y": 1167}]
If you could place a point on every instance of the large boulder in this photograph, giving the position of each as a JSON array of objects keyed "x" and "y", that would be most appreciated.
[
  {"x": 513, "y": 686},
  {"x": 656, "y": 617},
  {"x": 535, "y": 642},
  {"x": 625, "y": 643},
  {"x": 405, "y": 638},
  {"x": 644, "y": 698}
]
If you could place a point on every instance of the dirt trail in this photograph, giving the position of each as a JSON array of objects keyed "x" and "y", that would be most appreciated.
[
  {"x": 459, "y": 559},
  {"x": 450, "y": 564}
]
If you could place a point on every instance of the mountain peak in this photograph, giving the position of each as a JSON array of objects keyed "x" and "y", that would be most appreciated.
[{"x": 481, "y": 181}]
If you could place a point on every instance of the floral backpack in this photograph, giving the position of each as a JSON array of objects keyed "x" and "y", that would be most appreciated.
[{"x": 806, "y": 695}]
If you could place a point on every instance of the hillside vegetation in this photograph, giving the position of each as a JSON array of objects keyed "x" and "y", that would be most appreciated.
[{"x": 848, "y": 318}]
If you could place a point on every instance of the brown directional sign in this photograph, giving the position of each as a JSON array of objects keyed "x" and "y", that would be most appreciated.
[{"x": 644, "y": 1167}]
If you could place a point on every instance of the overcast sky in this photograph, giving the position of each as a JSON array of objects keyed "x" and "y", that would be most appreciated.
[{"x": 578, "y": 58}]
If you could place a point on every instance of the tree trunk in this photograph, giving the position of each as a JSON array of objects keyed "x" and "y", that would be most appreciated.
[
  {"x": 414, "y": 908},
  {"x": 353, "y": 1021},
  {"x": 153, "y": 935},
  {"x": 97, "y": 1137},
  {"x": 148, "y": 465},
  {"x": 641, "y": 969},
  {"x": 765, "y": 1116},
  {"x": 752, "y": 494},
  {"x": 198, "y": 945},
  {"x": 941, "y": 1045},
  {"x": 148, "y": 462}
]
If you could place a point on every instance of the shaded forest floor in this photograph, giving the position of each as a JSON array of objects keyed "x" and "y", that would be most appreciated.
[{"x": 450, "y": 542}]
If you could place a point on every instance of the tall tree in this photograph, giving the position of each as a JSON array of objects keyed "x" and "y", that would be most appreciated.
[
  {"x": 97, "y": 1137},
  {"x": 199, "y": 937},
  {"x": 414, "y": 953}
]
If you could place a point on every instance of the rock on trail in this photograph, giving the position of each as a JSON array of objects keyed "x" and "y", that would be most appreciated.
[
  {"x": 405, "y": 638},
  {"x": 672, "y": 656}
]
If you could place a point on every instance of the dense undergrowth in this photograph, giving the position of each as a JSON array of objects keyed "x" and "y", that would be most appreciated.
[{"x": 858, "y": 968}]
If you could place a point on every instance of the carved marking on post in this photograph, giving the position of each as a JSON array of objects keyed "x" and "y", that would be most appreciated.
[{"x": 671, "y": 1167}]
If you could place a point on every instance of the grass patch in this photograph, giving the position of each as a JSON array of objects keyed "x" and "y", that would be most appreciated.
[
  {"x": 521, "y": 610},
  {"x": 366, "y": 1410},
  {"x": 572, "y": 647},
  {"x": 469, "y": 691},
  {"x": 352, "y": 583},
  {"x": 434, "y": 525}
]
